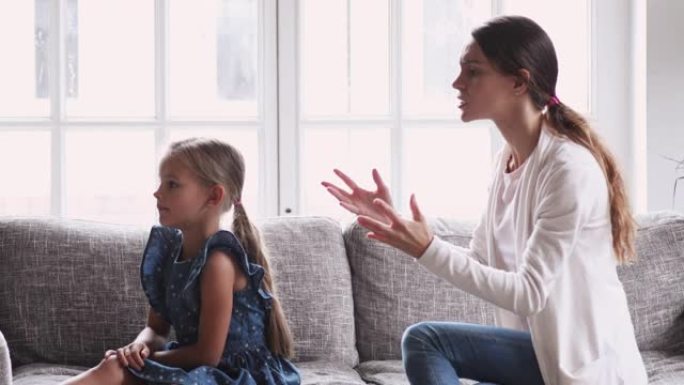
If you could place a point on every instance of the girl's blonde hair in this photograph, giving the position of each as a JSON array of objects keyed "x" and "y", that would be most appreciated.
[
  {"x": 219, "y": 163},
  {"x": 513, "y": 43}
]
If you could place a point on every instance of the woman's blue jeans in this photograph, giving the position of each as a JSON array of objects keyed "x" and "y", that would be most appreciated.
[{"x": 441, "y": 353}]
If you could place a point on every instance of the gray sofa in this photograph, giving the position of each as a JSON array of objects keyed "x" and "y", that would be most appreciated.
[{"x": 69, "y": 290}]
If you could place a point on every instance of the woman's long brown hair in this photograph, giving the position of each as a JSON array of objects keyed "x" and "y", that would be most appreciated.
[{"x": 514, "y": 43}]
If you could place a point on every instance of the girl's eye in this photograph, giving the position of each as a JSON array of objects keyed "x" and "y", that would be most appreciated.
[{"x": 172, "y": 184}]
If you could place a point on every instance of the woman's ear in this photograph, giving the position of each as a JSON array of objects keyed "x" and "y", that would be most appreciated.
[
  {"x": 521, "y": 82},
  {"x": 217, "y": 194}
]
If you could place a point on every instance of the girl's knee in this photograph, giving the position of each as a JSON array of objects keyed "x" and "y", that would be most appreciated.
[{"x": 110, "y": 366}]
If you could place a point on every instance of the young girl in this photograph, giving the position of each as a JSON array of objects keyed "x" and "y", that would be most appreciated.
[
  {"x": 213, "y": 286},
  {"x": 546, "y": 249}
]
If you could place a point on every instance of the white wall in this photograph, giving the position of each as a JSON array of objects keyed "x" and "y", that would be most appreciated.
[
  {"x": 619, "y": 81},
  {"x": 665, "y": 103}
]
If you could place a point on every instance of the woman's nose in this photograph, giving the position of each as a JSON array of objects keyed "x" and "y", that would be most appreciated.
[{"x": 457, "y": 83}]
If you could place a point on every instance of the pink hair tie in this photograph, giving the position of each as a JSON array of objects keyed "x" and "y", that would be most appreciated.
[
  {"x": 237, "y": 202},
  {"x": 553, "y": 101}
]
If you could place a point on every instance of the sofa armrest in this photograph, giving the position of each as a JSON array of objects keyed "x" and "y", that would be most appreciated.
[{"x": 5, "y": 365}]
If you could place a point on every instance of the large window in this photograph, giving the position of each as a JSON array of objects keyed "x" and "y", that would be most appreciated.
[
  {"x": 375, "y": 91},
  {"x": 93, "y": 91}
]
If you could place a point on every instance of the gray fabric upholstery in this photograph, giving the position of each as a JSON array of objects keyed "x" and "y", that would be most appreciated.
[
  {"x": 45, "y": 374},
  {"x": 392, "y": 292},
  {"x": 313, "y": 373},
  {"x": 314, "y": 284},
  {"x": 69, "y": 290},
  {"x": 655, "y": 282},
  {"x": 389, "y": 372},
  {"x": 328, "y": 373},
  {"x": 663, "y": 370}
]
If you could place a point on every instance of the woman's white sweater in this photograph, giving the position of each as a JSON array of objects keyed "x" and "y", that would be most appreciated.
[{"x": 566, "y": 284}]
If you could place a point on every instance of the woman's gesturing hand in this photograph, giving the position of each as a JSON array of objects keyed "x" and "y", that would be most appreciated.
[
  {"x": 132, "y": 355},
  {"x": 360, "y": 201},
  {"x": 411, "y": 236}
]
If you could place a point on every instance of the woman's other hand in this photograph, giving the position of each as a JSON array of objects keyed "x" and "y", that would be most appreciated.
[
  {"x": 360, "y": 201},
  {"x": 410, "y": 236}
]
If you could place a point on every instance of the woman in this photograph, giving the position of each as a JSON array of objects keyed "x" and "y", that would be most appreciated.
[{"x": 545, "y": 251}]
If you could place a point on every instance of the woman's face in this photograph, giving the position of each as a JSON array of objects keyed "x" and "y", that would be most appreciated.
[{"x": 484, "y": 92}]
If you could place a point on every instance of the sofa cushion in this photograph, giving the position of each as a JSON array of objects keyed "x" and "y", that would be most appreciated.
[
  {"x": 70, "y": 289},
  {"x": 655, "y": 282},
  {"x": 392, "y": 292},
  {"x": 389, "y": 372},
  {"x": 313, "y": 373},
  {"x": 328, "y": 373},
  {"x": 44, "y": 374},
  {"x": 314, "y": 285},
  {"x": 663, "y": 370}
]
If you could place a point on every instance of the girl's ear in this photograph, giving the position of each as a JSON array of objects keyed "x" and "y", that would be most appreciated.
[
  {"x": 521, "y": 82},
  {"x": 217, "y": 193}
]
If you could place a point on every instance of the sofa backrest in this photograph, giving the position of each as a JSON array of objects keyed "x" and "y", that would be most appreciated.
[
  {"x": 314, "y": 285},
  {"x": 655, "y": 282},
  {"x": 392, "y": 292},
  {"x": 70, "y": 289}
]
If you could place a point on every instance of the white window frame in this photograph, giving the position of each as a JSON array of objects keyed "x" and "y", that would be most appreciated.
[
  {"x": 58, "y": 122},
  {"x": 615, "y": 104},
  {"x": 289, "y": 106}
]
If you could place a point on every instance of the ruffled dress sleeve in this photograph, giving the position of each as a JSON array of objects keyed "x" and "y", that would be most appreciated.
[
  {"x": 227, "y": 242},
  {"x": 163, "y": 245}
]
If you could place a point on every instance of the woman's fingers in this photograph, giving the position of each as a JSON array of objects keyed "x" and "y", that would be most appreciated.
[
  {"x": 347, "y": 180},
  {"x": 378, "y": 181},
  {"x": 417, "y": 214},
  {"x": 388, "y": 211},
  {"x": 350, "y": 207},
  {"x": 339, "y": 194},
  {"x": 372, "y": 224},
  {"x": 410, "y": 236}
]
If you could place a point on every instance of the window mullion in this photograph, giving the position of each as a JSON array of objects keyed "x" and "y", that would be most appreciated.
[
  {"x": 497, "y": 7},
  {"x": 268, "y": 103},
  {"x": 288, "y": 108},
  {"x": 161, "y": 45},
  {"x": 396, "y": 93},
  {"x": 58, "y": 15}
]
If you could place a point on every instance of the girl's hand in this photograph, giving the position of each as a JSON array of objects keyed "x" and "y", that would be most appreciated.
[
  {"x": 360, "y": 201},
  {"x": 132, "y": 355},
  {"x": 412, "y": 237}
]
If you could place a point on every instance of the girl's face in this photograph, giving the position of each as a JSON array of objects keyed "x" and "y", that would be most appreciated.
[
  {"x": 484, "y": 92},
  {"x": 181, "y": 197}
]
